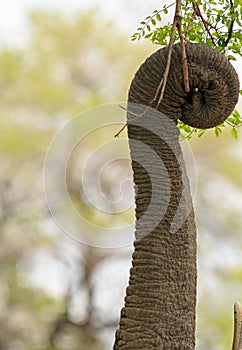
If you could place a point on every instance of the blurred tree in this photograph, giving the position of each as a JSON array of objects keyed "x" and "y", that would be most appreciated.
[
  {"x": 218, "y": 202},
  {"x": 55, "y": 293},
  {"x": 47, "y": 288}
]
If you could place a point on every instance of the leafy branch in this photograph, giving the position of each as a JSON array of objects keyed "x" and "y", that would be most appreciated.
[
  {"x": 215, "y": 23},
  {"x": 148, "y": 22},
  {"x": 234, "y": 121}
]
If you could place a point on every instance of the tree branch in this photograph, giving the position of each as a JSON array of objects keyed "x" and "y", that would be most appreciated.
[
  {"x": 176, "y": 24},
  {"x": 184, "y": 55},
  {"x": 230, "y": 32},
  {"x": 189, "y": 26},
  {"x": 205, "y": 23},
  {"x": 162, "y": 85}
]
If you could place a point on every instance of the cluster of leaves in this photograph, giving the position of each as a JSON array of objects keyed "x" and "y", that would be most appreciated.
[
  {"x": 218, "y": 25},
  {"x": 148, "y": 26},
  {"x": 215, "y": 23},
  {"x": 234, "y": 121}
]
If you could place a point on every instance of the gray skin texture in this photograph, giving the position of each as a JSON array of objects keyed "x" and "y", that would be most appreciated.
[{"x": 160, "y": 303}]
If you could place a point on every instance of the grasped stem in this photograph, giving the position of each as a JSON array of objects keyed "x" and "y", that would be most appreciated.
[{"x": 176, "y": 24}]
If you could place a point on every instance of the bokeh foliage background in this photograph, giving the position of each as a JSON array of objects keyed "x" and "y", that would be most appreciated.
[{"x": 54, "y": 292}]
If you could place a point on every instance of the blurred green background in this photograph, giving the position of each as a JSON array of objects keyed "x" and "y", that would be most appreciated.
[{"x": 56, "y": 293}]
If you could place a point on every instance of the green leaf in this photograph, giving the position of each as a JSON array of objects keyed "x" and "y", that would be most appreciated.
[
  {"x": 232, "y": 58},
  {"x": 236, "y": 113},
  {"x": 200, "y": 134},
  {"x": 237, "y": 2},
  {"x": 234, "y": 133},
  {"x": 158, "y": 17},
  {"x": 186, "y": 128},
  {"x": 153, "y": 21},
  {"x": 217, "y": 131},
  {"x": 230, "y": 119}
]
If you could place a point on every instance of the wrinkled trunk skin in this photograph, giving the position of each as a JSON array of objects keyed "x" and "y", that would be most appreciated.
[
  {"x": 160, "y": 302},
  {"x": 161, "y": 297}
]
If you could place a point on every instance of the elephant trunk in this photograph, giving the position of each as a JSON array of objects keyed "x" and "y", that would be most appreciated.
[{"x": 160, "y": 302}]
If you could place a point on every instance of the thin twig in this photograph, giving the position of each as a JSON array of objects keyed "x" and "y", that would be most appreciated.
[
  {"x": 150, "y": 18},
  {"x": 171, "y": 42},
  {"x": 230, "y": 31},
  {"x": 184, "y": 55},
  {"x": 136, "y": 116},
  {"x": 127, "y": 110},
  {"x": 119, "y": 132},
  {"x": 205, "y": 23},
  {"x": 157, "y": 92},
  {"x": 124, "y": 126},
  {"x": 189, "y": 26}
]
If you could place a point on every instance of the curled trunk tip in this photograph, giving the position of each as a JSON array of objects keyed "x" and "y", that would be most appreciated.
[{"x": 214, "y": 85}]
